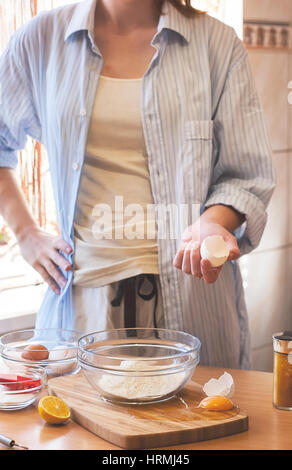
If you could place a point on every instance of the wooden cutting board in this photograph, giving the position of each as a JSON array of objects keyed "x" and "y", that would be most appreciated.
[{"x": 172, "y": 422}]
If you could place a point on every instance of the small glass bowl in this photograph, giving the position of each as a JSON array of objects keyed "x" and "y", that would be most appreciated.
[
  {"x": 20, "y": 387},
  {"x": 62, "y": 346},
  {"x": 138, "y": 365}
]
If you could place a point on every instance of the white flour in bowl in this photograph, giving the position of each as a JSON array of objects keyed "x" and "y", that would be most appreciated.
[{"x": 138, "y": 387}]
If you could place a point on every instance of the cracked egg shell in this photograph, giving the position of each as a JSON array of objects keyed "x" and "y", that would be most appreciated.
[
  {"x": 223, "y": 386},
  {"x": 215, "y": 249}
]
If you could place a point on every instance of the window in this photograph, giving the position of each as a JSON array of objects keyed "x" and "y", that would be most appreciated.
[
  {"x": 21, "y": 287},
  {"x": 228, "y": 11}
]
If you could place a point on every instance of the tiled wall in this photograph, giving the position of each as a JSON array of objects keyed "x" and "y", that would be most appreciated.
[{"x": 268, "y": 270}]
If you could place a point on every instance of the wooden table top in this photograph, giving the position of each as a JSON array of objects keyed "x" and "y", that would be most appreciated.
[{"x": 269, "y": 428}]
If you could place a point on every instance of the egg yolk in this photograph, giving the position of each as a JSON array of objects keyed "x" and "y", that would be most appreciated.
[{"x": 216, "y": 403}]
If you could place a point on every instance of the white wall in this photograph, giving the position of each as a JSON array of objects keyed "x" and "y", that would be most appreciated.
[{"x": 268, "y": 271}]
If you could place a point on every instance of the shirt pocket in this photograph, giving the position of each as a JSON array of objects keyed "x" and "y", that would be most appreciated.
[{"x": 198, "y": 152}]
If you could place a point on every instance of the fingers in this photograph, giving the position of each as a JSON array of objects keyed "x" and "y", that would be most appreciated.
[
  {"x": 48, "y": 279},
  {"x": 43, "y": 252},
  {"x": 186, "y": 262},
  {"x": 195, "y": 257},
  {"x": 177, "y": 262},
  {"x": 209, "y": 273},
  {"x": 234, "y": 252},
  {"x": 60, "y": 244},
  {"x": 188, "y": 259},
  {"x": 54, "y": 273},
  {"x": 48, "y": 266},
  {"x": 191, "y": 259},
  {"x": 60, "y": 261}
]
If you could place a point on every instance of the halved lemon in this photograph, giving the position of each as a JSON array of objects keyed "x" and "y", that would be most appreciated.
[{"x": 53, "y": 409}]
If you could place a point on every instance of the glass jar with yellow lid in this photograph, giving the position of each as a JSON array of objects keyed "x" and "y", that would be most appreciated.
[{"x": 282, "y": 345}]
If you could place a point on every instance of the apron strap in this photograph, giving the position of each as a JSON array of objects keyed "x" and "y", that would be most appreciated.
[{"x": 127, "y": 289}]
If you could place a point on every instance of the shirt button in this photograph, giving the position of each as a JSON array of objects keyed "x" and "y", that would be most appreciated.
[
  {"x": 75, "y": 166},
  {"x": 82, "y": 112}
]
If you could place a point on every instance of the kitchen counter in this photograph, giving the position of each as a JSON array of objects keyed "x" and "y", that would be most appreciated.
[{"x": 269, "y": 429}]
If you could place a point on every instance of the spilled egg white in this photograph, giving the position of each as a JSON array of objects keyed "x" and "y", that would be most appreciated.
[{"x": 215, "y": 249}]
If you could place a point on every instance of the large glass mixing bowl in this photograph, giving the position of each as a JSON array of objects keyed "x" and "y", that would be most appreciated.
[{"x": 138, "y": 365}]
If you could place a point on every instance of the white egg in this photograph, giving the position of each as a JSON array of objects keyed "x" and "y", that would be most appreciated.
[{"x": 215, "y": 249}]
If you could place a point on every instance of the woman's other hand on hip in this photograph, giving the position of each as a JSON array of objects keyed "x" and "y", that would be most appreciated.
[{"x": 42, "y": 251}]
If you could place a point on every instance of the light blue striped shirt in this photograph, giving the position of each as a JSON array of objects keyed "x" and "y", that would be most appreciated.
[{"x": 205, "y": 136}]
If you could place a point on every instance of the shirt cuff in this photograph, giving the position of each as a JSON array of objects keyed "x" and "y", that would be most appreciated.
[
  {"x": 8, "y": 159},
  {"x": 249, "y": 234}
]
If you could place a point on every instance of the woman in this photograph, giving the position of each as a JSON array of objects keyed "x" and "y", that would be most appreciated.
[{"x": 149, "y": 104}]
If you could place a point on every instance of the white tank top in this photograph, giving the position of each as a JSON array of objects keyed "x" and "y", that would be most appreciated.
[{"x": 110, "y": 233}]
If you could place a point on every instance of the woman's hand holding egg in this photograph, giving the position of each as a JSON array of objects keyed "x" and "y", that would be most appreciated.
[{"x": 189, "y": 256}]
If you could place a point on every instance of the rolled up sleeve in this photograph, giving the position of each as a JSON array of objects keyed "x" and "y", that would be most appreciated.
[
  {"x": 18, "y": 115},
  {"x": 243, "y": 176}
]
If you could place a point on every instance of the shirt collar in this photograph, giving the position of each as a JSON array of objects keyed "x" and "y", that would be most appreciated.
[
  {"x": 83, "y": 19},
  {"x": 175, "y": 21}
]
